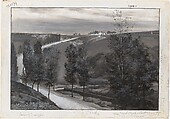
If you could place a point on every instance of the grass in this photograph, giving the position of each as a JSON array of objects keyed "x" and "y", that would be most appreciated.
[{"x": 25, "y": 98}]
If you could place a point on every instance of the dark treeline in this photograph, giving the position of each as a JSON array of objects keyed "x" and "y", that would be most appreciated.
[{"x": 14, "y": 68}]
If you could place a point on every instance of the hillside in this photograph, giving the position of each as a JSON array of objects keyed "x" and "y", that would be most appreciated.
[
  {"x": 19, "y": 38},
  {"x": 25, "y": 98}
]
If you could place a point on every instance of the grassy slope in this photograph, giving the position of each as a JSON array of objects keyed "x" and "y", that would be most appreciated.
[{"x": 25, "y": 98}]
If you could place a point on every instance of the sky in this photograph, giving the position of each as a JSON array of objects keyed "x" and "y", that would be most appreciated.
[{"x": 80, "y": 20}]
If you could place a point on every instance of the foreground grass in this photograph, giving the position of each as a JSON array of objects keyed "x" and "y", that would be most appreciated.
[{"x": 25, "y": 98}]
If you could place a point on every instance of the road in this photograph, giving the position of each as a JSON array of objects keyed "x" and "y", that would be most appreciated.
[
  {"x": 59, "y": 42},
  {"x": 66, "y": 102}
]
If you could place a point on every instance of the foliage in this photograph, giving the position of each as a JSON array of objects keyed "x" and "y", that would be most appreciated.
[
  {"x": 28, "y": 60},
  {"x": 119, "y": 68},
  {"x": 96, "y": 65},
  {"x": 52, "y": 56},
  {"x": 121, "y": 23},
  {"x": 14, "y": 68},
  {"x": 24, "y": 77},
  {"x": 129, "y": 72},
  {"x": 70, "y": 65},
  {"x": 154, "y": 54},
  {"x": 143, "y": 75},
  {"x": 38, "y": 64},
  {"x": 82, "y": 67},
  {"x": 129, "y": 69},
  {"x": 20, "y": 50},
  {"x": 77, "y": 65}
]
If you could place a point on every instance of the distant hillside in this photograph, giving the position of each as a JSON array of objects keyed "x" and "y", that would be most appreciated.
[
  {"x": 25, "y": 98},
  {"x": 19, "y": 38},
  {"x": 30, "y": 36},
  {"x": 150, "y": 39}
]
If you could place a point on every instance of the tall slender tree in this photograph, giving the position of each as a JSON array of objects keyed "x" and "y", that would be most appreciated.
[
  {"x": 27, "y": 60},
  {"x": 128, "y": 67},
  {"x": 143, "y": 74},
  {"x": 20, "y": 49},
  {"x": 119, "y": 67},
  {"x": 14, "y": 68},
  {"x": 39, "y": 63},
  {"x": 82, "y": 68},
  {"x": 51, "y": 67},
  {"x": 70, "y": 65}
]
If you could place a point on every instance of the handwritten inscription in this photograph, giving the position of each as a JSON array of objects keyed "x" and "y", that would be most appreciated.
[
  {"x": 132, "y": 6},
  {"x": 12, "y": 4},
  {"x": 30, "y": 115}
]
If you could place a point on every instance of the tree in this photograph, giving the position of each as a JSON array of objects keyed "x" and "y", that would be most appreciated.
[
  {"x": 121, "y": 23},
  {"x": 50, "y": 77},
  {"x": 20, "y": 49},
  {"x": 144, "y": 74},
  {"x": 38, "y": 64},
  {"x": 128, "y": 67},
  {"x": 51, "y": 68},
  {"x": 24, "y": 77},
  {"x": 119, "y": 61},
  {"x": 119, "y": 67},
  {"x": 70, "y": 65},
  {"x": 96, "y": 65},
  {"x": 82, "y": 68},
  {"x": 154, "y": 51},
  {"x": 14, "y": 68},
  {"x": 28, "y": 60}
]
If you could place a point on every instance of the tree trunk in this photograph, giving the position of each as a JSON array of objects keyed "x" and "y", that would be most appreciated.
[
  {"x": 121, "y": 60},
  {"x": 49, "y": 92},
  {"x": 33, "y": 85},
  {"x": 26, "y": 82},
  {"x": 83, "y": 91},
  {"x": 143, "y": 102},
  {"x": 38, "y": 84},
  {"x": 53, "y": 87},
  {"x": 72, "y": 91}
]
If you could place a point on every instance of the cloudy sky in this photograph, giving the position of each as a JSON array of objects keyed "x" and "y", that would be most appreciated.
[{"x": 81, "y": 20}]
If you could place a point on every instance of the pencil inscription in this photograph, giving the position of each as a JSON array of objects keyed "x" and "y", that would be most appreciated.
[{"x": 12, "y": 4}]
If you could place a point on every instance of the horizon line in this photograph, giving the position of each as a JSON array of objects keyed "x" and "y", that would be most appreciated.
[{"x": 75, "y": 32}]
